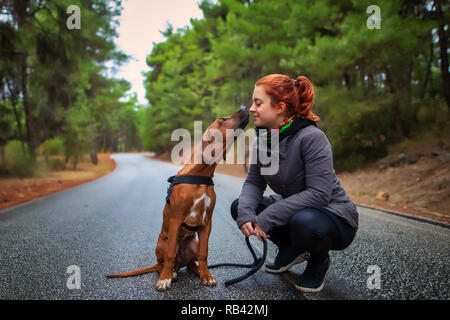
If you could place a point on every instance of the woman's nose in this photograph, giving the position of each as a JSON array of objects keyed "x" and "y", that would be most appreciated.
[{"x": 252, "y": 108}]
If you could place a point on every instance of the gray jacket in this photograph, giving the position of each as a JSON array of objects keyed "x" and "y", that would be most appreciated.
[{"x": 306, "y": 178}]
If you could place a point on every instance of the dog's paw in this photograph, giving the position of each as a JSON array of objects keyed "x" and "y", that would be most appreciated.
[
  {"x": 163, "y": 285},
  {"x": 209, "y": 281}
]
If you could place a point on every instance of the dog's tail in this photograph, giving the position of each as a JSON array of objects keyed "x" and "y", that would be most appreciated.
[{"x": 156, "y": 267}]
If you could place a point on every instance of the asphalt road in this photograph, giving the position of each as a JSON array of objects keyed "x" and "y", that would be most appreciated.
[{"x": 111, "y": 225}]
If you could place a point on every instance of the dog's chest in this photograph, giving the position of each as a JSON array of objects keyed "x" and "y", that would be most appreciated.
[{"x": 198, "y": 213}]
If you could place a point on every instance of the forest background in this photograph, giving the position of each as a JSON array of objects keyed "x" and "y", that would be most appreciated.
[{"x": 381, "y": 75}]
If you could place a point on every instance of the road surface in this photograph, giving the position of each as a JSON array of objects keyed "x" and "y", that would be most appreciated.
[{"x": 111, "y": 225}]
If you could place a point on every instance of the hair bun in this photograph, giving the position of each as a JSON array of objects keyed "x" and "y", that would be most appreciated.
[{"x": 306, "y": 98}]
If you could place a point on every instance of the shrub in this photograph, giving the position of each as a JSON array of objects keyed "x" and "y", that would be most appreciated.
[
  {"x": 52, "y": 147},
  {"x": 56, "y": 164},
  {"x": 17, "y": 160}
]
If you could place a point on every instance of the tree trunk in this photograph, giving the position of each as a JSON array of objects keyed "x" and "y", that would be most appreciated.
[
  {"x": 94, "y": 152},
  {"x": 26, "y": 107},
  {"x": 396, "y": 106},
  {"x": 428, "y": 71},
  {"x": 13, "y": 97},
  {"x": 443, "y": 46},
  {"x": 349, "y": 79},
  {"x": 21, "y": 15}
]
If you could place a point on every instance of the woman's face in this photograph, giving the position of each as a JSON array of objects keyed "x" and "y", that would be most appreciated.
[{"x": 264, "y": 114}]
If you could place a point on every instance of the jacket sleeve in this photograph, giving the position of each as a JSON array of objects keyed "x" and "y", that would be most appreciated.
[
  {"x": 317, "y": 156},
  {"x": 252, "y": 191}
]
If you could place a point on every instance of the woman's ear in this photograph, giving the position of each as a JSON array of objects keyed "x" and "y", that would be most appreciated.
[{"x": 280, "y": 107}]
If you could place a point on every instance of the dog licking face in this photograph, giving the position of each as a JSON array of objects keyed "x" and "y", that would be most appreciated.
[{"x": 215, "y": 143}]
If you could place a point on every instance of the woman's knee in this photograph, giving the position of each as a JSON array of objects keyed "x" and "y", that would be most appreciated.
[
  {"x": 304, "y": 219},
  {"x": 307, "y": 226},
  {"x": 234, "y": 209}
]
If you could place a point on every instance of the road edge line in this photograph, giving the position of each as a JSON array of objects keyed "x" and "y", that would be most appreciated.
[{"x": 404, "y": 215}]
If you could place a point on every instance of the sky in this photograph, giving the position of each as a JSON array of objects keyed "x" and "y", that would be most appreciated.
[{"x": 140, "y": 24}]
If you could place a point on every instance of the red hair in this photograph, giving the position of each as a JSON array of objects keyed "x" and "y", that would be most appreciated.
[{"x": 297, "y": 94}]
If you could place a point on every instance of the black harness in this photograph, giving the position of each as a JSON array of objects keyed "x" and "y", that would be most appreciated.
[{"x": 174, "y": 180}]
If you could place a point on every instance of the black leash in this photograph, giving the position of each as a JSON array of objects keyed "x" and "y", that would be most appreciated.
[{"x": 255, "y": 266}]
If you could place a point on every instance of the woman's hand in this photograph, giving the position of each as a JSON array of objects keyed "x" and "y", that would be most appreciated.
[
  {"x": 252, "y": 228},
  {"x": 247, "y": 229},
  {"x": 260, "y": 233}
]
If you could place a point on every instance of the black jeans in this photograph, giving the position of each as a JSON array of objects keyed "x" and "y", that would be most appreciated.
[{"x": 314, "y": 230}]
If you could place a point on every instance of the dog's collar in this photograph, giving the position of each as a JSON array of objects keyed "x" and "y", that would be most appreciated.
[{"x": 174, "y": 180}]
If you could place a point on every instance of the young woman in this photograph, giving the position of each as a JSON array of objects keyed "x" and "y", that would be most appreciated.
[{"x": 310, "y": 213}]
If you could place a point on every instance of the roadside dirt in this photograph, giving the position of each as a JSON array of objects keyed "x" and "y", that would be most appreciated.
[
  {"x": 14, "y": 190},
  {"x": 419, "y": 189}
]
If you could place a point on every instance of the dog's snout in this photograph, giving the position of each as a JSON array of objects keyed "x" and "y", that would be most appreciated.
[
  {"x": 244, "y": 118},
  {"x": 243, "y": 112},
  {"x": 240, "y": 118}
]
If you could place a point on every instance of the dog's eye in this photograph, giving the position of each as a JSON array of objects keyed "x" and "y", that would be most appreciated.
[{"x": 223, "y": 119}]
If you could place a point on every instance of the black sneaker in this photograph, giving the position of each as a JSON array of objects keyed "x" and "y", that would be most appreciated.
[
  {"x": 285, "y": 259},
  {"x": 312, "y": 279}
]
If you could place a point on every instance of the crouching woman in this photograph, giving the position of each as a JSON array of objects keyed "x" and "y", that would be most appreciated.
[{"x": 310, "y": 212}]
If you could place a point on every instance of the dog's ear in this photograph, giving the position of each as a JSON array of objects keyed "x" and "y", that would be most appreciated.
[
  {"x": 204, "y": 145},
  {"x": 224, "y": 156},
  {"x": 213, "y": 152},
  {"x": 209, "y": 142},
  {"x": 206, "y": 140},
  {"x": 212, "y": 140}
]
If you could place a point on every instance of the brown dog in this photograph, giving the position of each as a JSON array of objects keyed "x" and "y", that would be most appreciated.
[{"x": 189, "y": 212}]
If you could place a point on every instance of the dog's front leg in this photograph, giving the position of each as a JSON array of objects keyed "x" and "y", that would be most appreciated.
[
  {"x": 165, "y": 277},
  {"x": 203, "y": 237}
]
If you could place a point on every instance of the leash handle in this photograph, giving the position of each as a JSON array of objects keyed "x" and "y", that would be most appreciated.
[
  {"x": 255, "y": 266},
  {"x": 247, "y": 240}
]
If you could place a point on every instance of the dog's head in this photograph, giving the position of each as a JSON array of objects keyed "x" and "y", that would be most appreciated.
[
  {"x": 237, "y": 120},
  {"x": 221, "y": 134}
]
